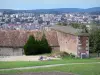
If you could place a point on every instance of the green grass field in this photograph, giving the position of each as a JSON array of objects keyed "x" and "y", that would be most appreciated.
[
  {"x": 84, "y": 69},
  {"x": 6, "y": 65},
  {"x": 81, "y": 69}
]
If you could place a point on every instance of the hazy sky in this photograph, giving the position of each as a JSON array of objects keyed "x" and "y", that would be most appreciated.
[{"x": 47, "y": 4}]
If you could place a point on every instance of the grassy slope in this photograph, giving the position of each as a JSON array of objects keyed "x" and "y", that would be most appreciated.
[
  {"x": 84, "y": 69},
  {"x": 4, "y": 65}
]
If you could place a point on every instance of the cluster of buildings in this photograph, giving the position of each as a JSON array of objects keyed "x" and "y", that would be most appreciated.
[{"x": 31, "y": 21}]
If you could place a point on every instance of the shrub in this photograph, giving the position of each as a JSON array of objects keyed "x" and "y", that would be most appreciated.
[
  {"x": 30, "y": 46},
  {"x": 94, "y": 40},
  {"x": 33, "y": 47},
  {"x": 59, "y": 54},
  {"x": 64, "y": 54},
  {"x": 71, "y": 55},
  {"x": 45, "y": 45}
]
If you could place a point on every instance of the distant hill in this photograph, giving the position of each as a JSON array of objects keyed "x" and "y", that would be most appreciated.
[
  {"x": 95, "y": 9},
  {"x": 58, "y": 10}
]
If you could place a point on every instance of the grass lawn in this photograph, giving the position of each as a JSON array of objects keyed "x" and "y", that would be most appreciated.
[
  {"x": 17, "y": 64},
  {"x": 81, "y": 69}
]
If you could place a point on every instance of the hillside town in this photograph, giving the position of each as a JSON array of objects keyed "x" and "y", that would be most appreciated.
[{"x": 31, "y": 21}]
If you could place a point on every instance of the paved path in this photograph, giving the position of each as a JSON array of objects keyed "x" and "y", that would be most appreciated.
[
  {"x": 41, "y": 73},
  {"x": 44, "y": 66},
  {"x": 19, "y": 58},
  {"x": 23, "y": 58}
]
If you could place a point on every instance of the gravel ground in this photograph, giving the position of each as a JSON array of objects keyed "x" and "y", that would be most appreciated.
[
  {"x": 22, "y": 58},
  {"x": 42, "y": 73},
  {"x": 19, "y": 58}
]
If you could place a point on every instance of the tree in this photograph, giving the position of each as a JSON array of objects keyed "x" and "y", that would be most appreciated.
[
  {"x": 33, "y": 47},
  {"x": 94, "y": 40},
  {"x": 45, "y": 45},
  {"x": 62, "y": 23},
  {"x": 30, "y": 46},
  {"x": 80, "y": 26},
  {"x": 75, "y": 25}
]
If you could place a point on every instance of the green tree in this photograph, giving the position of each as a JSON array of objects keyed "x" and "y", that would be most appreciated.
[
  {"x": 44, "y": 45},
  {"x": 33, "y": 47},
  {"x": 94, "y": 40},
  {"x": 62, "y": 23},
  {"x": 75, "y": 25},
  {"x": 80, "y": 26},
  {"x": 30, "y": 46}
]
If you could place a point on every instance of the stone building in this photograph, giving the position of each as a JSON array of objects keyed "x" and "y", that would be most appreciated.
[
  {"x": 12, "y": 41},
  {"x": 72, "y": 40},
  {"x": 62, "y": 38}
]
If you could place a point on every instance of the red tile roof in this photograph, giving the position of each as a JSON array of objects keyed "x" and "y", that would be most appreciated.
[{"x": 17, "y": 38}]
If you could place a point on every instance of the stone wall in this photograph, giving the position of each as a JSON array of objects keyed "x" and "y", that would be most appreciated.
[
  {"x": 18, "y": 38},
  {"x": 55, "y": 48},
  {"x": 15, "y": 38},
  {"x": 67, "y": 42},
  {"x": 11, "y": 51},
  {"x": 83, "y": 45},
  {"x": 57, "y": 40}
]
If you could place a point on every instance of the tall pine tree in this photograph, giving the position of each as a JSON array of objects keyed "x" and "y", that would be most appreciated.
[
  {"x": 29, "y": 47},
  {"x": 33, "y": 47},
  {"x": 45, "y": 45}
]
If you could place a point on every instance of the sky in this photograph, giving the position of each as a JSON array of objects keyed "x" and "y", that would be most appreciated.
[{"x": 47, "y": 4}]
